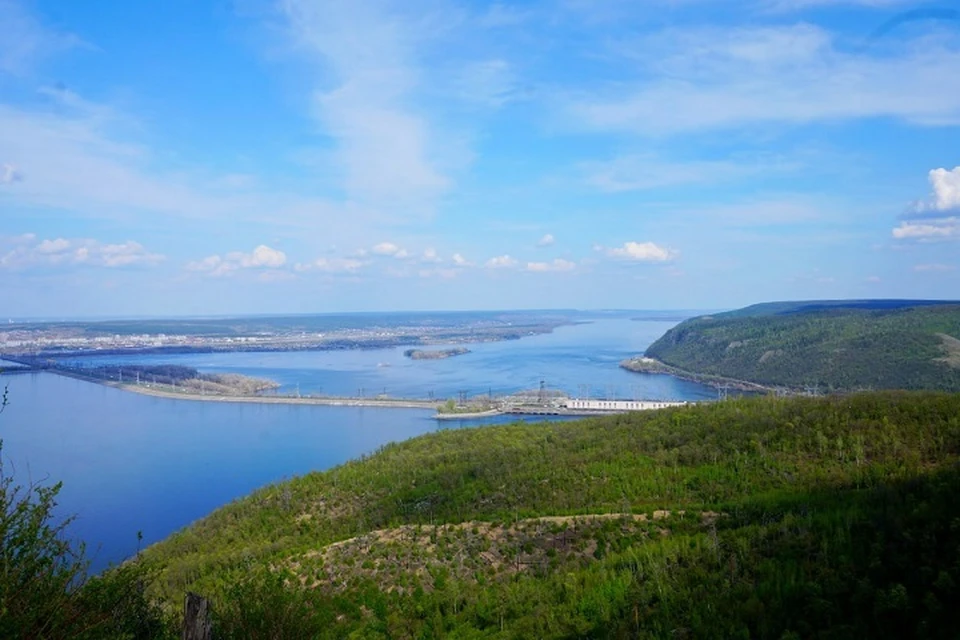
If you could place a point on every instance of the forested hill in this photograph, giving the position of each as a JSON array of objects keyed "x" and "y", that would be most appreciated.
[
  {"x": 836, "y": 345},
  {"x": 754, "y": 517}
]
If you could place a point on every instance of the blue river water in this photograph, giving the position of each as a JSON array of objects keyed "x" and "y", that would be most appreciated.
[
  {"x": 133, "y": 463},
  {"x": 579, "y": 359}
]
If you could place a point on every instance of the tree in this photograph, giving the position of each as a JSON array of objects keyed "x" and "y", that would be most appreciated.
[{"x": 45, "y": 591}]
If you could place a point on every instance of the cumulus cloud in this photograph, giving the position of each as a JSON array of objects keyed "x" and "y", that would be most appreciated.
[
  {"x": 390, "y": 249},
  {"x": 460, "y": 261},
  {"x": 557, "y": 265},
  {"x": 262, "y": 257},
  {"x": 642, "y": 252},
  {"x": 546, "y": 241},
  {"x": 500, "y": 262},
  {"x": 26, "y": 252},
  {"x": 937, "y": 218},
  {"x": 946, "y": 190}
]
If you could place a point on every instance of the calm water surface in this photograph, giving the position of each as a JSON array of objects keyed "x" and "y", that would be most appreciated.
[
  {"x": 571, "y": 358},
  {"x": 134, "y": 463}
]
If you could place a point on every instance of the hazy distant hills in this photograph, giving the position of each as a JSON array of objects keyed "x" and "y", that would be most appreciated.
[{"x": 838, "y": 345}]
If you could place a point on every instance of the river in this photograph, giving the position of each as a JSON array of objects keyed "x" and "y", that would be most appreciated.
[{"x": 134, "y": 463}]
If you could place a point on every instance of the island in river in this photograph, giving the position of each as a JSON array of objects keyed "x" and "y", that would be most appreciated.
[{"x": 440, "y": 354}]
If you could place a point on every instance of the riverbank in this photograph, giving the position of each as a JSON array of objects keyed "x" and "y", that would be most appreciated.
[
  {"x": 397, "y": 403},
  {"x": 652, "y": 365},
  {"x": 168, "y": 391},
  {"x": 470, "y": 415}
]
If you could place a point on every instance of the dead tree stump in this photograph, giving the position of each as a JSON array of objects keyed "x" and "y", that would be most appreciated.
[{"x": 196, "y": 618}]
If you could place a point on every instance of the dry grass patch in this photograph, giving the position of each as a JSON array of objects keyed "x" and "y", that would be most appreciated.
[
  {"x": 951, "y": 347},
  {"x": 408, "y": 557}
]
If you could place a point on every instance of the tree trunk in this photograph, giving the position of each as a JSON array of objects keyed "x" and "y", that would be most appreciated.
[{"x": 196, "y": 618}]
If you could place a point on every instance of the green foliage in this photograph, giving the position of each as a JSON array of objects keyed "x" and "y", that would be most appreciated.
[
  {"x": 834, "y": 347},
  {"x": 753, "y": 518},
  {"x": 766, "y": 518},
  {"x": 44, "y": 588}
]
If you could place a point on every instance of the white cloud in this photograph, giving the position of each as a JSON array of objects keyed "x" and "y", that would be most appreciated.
[
  {"x": 642, "y": 252},
  {"x": 262, "y": 257},
  {"x": 501, "y": 262},
  {"x": 369, "y": 51},
  {"x": 557, "y": 265},
  {"x": 83, "y": 159},
  {"x": 390, "y": 249},
  {"x": 928, "y": 268},
  {"x": 937, "y": 218},
  {"x": 946, "y": 189},
  {"x": 698, "y": 79},
  {"x": 546, "y": 241},
  {"x": 460, "y": 261},
  {"x": 430, "y": 255},
  {"x": 26, "y": 253},
  {"x": 939, "y": 229}
]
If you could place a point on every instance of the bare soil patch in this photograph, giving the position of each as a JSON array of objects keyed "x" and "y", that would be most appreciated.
[{"x": 951, "y": 347}]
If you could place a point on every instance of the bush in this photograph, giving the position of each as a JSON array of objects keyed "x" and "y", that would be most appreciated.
[{"x": 44, "y": 587}]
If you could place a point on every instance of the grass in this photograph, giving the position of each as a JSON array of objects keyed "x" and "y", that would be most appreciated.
[{"x": 829, "y": 516}]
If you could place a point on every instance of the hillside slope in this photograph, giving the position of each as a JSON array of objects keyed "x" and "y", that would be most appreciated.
[
  {"x": 753, "y": 517},
  {"x": 833, "y": 345}
]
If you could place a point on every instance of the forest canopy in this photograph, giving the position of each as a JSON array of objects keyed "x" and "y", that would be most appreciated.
[{"x": 830, "y": 345}]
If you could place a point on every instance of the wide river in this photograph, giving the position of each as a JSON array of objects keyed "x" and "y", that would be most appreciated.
[{"x": 134, "y": 463}]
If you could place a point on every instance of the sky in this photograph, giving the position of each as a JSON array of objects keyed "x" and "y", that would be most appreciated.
[{"x": 200, "y": 157}]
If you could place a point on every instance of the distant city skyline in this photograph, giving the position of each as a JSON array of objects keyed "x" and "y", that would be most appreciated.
[{"x": 221, "y": 157}]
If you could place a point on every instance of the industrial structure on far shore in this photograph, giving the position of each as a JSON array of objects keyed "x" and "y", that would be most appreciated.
[{"x": 619, "y": 405}]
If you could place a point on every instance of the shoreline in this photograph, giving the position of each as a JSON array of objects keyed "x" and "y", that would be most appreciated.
[
  {"x": 328, "y": 401},
  {"x": 644, "y": 364},
  {"x": 321, "y": 401},
  {"x": 470, "y": 415}
]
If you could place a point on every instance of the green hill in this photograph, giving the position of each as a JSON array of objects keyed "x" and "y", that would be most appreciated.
[
  {"x": 837, "y": 345},
  {"x": 834, "y": 517}
]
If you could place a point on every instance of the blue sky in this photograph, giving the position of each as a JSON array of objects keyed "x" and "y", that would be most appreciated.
[{"x": 249, "y": 156}]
